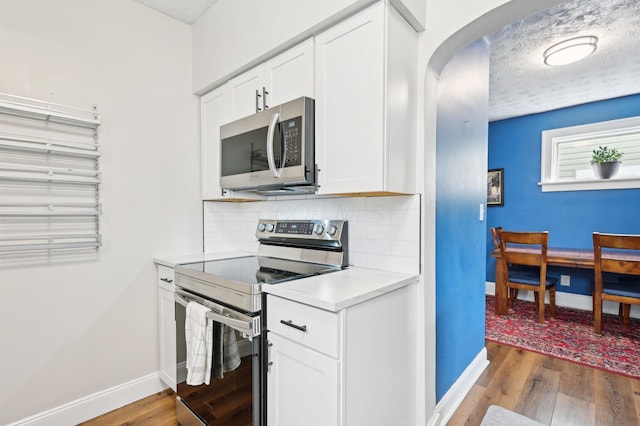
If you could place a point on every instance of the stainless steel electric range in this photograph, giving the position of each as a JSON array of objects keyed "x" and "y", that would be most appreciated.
[{"x": 232, "y": 290}]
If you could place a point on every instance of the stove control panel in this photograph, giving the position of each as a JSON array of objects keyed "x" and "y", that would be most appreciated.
[
  {"x": 298, "y": 228},
  {"x": 331, "y": 230},
  {"x": 315, "y": 241}
]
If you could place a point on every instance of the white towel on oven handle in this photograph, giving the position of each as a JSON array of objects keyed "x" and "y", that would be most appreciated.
[{"x": 198, "y": 331}]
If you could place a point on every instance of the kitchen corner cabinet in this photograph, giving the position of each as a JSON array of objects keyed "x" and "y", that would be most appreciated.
[
  {"x": 351, "y": 367},
  {"x": 366, "y": 96},
  {"x": 214, "y": 111},
  {"x": 288, "y": 76},
  {"x": 167, "y": 325}
]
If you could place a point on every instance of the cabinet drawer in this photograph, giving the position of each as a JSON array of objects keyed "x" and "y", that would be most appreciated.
[
  {"x": 309, "y": 326},
  {"x": 166, "y": 278}
]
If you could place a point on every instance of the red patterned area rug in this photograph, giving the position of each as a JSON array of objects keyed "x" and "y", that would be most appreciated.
[{"x": 569, "y": 336}]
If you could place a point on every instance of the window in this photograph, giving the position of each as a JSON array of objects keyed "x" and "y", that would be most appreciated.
[{"x": 566, "y": 155}]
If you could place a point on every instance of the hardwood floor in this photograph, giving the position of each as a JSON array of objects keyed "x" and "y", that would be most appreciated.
[
  {"x": 156, "y": 410},
  {"x": 552, "y": 391}
]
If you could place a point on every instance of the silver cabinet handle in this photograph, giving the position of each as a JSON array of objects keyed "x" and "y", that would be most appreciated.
[
  {"x": 258, "y": 101},
  {"x": 296, "y": 326},
  {"x": 264, "y": 98},
  {"x": 166, "y": 280}
]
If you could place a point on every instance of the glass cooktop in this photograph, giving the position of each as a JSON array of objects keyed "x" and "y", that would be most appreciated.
[{"x": 258, "y": 269}]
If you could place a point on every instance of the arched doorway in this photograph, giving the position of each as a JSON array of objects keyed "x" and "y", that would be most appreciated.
[{"x": 454, "y": 351}]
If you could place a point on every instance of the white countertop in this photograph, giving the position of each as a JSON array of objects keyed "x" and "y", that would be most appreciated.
[
  {"x": 172, "y": 261},
  {"x": 332, "y": 292},
  {"x": 339, "y": 290}
]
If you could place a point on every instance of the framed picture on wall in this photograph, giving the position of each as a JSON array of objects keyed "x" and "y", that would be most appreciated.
[{"x": 495, "y": 187}]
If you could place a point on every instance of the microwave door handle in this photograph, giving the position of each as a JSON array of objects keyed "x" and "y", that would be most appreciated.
[{"x": 270, "y": 158}]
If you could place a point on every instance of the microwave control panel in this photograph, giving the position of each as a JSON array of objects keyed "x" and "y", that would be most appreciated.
[{"x": 292, "y": 130}]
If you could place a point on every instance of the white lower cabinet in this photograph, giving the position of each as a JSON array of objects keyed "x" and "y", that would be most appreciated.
[
  {"x": 354, "y": 367},
  {"x": 167, "y": 325},
  {"x": 300, "y": 381},
  {"x": 303, "y": 364}
]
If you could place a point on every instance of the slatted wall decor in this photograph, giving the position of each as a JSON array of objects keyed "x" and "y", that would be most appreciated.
[{"x": 49, "y": 176}]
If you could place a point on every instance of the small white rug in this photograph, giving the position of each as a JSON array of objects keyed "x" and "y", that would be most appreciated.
[{"x": 498, "y": 416}]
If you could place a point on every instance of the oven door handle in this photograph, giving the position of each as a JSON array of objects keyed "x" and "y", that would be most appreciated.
[{"x": 248, "y": 325}]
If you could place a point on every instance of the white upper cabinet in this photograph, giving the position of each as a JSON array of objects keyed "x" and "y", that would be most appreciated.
[
  {"x": 214, "y": 111},
  {"x": 291, "y": 74},
  {"x": 245, "y": 90},
  {"x": 366, "y": 95},
  {"x": 288, "y": 76}
]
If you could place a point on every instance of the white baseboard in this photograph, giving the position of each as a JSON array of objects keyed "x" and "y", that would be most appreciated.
[
  {"x": 454, "y": 396},
  {"x": 570, "y": 300},
  {"x": 99, "y": 403}
]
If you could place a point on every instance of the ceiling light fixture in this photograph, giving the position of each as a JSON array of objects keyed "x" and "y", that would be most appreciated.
[{"x": 571, "y": 50}]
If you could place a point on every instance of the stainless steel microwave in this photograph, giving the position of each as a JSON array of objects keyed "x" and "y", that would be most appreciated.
[{"x": 272, "y": 151}]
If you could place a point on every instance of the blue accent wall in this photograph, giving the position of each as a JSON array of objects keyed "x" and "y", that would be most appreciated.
[
  {"x": 570, "y": 217},
  {"x": 461, "y": 158}
]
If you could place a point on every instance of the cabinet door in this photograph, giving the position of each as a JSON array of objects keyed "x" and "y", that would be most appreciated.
[
  {"x": 215, "y": 110},
  {"x": 350, "y": 120},
  {"x": 290, "y": 75},
  {"x": 243, "y": 88},
  {"x": 167, "y": 328},
  {"x": 302, "y": 385}
]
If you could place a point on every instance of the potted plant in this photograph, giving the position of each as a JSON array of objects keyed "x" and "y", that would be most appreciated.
[{"x": 605, "y": 162}]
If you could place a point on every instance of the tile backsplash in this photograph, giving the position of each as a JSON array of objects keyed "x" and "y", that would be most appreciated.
[{"x": 384, "y": 232}]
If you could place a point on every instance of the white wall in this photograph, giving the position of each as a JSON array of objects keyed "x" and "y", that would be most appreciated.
[
  {"x": 73, "y": 326},
  {"x": 384, "y": 232}
]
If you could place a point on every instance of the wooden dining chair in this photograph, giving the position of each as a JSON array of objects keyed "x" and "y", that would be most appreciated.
[
  {"x": 520, "y": 271},
  {"x": 528, "y": 249},
  {"x": 620, "y": 254},
  {"x": 512, "y": 293},
  {"x": 495, "y": 237}
]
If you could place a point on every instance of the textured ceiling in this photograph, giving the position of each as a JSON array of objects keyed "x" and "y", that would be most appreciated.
[{"x": 520, "y": 82}]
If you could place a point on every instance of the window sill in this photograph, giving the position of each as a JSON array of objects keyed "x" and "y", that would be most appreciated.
[{"x": 590, "y": 184}]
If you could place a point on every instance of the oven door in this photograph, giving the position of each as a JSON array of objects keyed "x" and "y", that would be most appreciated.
[{"x": 237, "y": 397}]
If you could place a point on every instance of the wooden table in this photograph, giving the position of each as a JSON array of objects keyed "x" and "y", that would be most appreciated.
[
  {"x": 567, "y": 257},
  {"x": 571, "y": 258}
]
